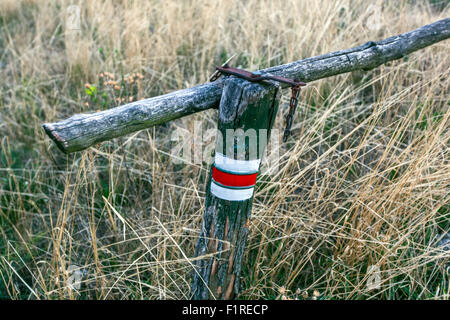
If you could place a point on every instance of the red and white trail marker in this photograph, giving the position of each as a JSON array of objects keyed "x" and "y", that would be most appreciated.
[{"x": 232, "y": 179}]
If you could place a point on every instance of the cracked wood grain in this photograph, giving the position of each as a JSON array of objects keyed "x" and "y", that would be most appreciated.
[{"x": 84, "y": 130}]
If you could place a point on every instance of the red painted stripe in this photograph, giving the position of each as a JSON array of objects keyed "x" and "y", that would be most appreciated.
[{"x": 233, "y": 180}]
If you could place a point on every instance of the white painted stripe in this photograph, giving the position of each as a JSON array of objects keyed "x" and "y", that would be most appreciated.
[
  {"x": 238, "y": 166},
  {"x": 231, "y": 194}
]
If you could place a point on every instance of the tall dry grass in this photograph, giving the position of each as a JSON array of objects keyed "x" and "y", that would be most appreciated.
[{"x": 363, "y": 181}]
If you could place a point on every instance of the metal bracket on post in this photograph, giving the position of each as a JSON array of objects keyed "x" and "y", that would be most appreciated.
[{"x": 253, "y": 77}]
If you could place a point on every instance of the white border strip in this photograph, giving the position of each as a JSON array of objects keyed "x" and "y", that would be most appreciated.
[
  {"x": 231, "y": 194},
  {"x": 238, "y": 166}
]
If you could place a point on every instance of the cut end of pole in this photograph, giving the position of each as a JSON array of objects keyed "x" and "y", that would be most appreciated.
[{"x": 60, "y": 143}]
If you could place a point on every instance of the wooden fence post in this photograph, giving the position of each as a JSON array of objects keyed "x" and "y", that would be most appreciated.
[{"x": 246, "y": 114}]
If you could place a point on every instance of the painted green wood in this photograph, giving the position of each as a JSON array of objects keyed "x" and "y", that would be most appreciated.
[{"x": 224, "y": 230}]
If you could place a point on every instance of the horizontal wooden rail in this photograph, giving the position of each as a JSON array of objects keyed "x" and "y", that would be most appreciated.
[{"x": 83, "y": 130}]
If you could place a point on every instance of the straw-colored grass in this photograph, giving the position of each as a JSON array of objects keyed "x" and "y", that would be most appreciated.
[{"x": 363, "y": 183}]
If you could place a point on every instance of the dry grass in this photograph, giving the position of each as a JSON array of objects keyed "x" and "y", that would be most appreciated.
[{"x": 364, "y": 180}]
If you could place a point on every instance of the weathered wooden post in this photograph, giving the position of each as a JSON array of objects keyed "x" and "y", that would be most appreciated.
[{"x": 246, "y": 115}]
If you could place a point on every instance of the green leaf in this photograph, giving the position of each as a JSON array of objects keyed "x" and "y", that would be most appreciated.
[{"x": 91, "y": 90}]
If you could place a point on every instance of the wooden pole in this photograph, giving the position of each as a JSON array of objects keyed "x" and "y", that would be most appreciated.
[
  {"x": 84, "y": 130},
  {"x": 246, "y": 114}
]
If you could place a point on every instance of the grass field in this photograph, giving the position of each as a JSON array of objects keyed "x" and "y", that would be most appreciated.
[{"x": 363, "y": 186}]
